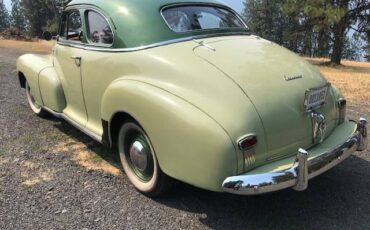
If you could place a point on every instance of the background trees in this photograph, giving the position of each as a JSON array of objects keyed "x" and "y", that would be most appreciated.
[
  {"x": 316, "y": 28},
  {"x": 17, "y": 19},
  {"x": 320, "y": 28},
  {"x": 4, "y": 17}
]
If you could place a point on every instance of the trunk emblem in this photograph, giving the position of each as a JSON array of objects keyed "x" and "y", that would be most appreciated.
[{"x": 293, "y": 78}]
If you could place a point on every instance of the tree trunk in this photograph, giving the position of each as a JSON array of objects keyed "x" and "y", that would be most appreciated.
[
  {"x": 339, "y": 37},
  {"x": 339, "y": 34}
]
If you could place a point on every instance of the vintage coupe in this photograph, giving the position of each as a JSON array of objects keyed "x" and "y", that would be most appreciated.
[{"x": 185, "y": 91}]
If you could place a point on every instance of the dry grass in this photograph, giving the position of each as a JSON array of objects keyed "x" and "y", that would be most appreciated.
[
  {"x": 33, "y": 173},
  {"x": 37, "y": 47},
  {"x": 85, "y": 157},
  {"x": 352, "y": 78}
]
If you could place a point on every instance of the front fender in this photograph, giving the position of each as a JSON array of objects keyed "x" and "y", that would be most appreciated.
[
  {"x": 190, "y": 146},
  {"x": 30, "y": 65}
]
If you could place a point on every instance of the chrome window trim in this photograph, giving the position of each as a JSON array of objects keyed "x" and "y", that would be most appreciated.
[
  {"x": 66, "y": 39},
  {"x": 92, "y": 47},
  {"x": 86, "y": 11},
  {"x": 154, "y": 45},
  {"x": 201, "y": 4},
  {"x": 82, "y": 45}
]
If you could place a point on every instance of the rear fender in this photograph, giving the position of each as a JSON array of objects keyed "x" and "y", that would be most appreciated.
[{"x": 190, "y": 145}]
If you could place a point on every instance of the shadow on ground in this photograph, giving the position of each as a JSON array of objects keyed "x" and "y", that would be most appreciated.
[{"x": 336, "y": 199}]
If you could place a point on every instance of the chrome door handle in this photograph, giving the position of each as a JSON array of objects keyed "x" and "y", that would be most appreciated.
[
  {"x": 76, "y": 57},
  {"x": 77, "y": 60}
]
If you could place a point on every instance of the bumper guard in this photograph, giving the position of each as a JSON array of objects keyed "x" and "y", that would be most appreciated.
[{"x": 303, "y": 169}]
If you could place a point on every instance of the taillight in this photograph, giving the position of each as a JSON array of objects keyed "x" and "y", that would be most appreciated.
[{"x": 247, "y": 142}]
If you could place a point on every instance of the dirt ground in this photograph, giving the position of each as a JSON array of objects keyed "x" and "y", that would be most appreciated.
[{"x": 54, "y": 177}]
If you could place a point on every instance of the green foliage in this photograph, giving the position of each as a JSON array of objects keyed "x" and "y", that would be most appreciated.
[
  {"x": 311, "y": 28},
  {"x": 17, "y": 19},
  {"x": 353, "y": 47},
  {"x": 4, "y": 17},
  {"x": 38, "y": 13}
]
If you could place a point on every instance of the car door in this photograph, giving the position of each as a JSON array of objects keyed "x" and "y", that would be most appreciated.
[
  {"x": 97, "y": 72},
  {"x": 68, "y": 62}
]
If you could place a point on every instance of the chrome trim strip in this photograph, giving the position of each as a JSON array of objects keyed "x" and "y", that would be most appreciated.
[
  {"x": 93, "y": 48},
  {"x": 297, "y": 177},
  {"x": 75, "y": 124},
  {"x": 154, "y": 45}
]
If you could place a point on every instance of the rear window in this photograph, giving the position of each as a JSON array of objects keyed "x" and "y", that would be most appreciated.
[{"x": 190, "y": 18}]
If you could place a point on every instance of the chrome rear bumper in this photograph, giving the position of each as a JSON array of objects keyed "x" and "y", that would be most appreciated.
[{"x": 303, "y": 169}]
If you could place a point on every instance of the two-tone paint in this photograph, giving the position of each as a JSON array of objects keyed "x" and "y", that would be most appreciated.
[{"x": 196, "y": 94}]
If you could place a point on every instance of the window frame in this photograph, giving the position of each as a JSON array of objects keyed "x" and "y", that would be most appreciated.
[
  {"x": 87, "y": 29},
  {"x": 204, "y": 5},
  {"x": 65, "y": 14}
]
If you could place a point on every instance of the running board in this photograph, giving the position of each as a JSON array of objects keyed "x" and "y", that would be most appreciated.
[{"x": 74, "y": 124}]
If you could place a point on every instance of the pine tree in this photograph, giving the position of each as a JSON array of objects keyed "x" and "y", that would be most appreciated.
[
  {"x": 17, "y": 19},
  {"x": 4, "y": 17},
  {"x": 37, "y": 13},
  {"x": 312, "y": 28},
  {"x": 264, "y": 18}
]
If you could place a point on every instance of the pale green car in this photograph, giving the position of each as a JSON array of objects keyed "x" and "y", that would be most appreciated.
[{"x": 186, "y": 92}]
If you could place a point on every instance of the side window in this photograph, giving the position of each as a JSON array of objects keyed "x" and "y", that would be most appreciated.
[
  {"x": 63, "y": 26},
  {"x": 98, "y": 29},
  {"x": 74, "y": 26},
  {"x": 71, "y": 26}
]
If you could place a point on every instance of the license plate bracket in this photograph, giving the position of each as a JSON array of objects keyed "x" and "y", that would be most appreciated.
[{"x": 316, "y": 97}]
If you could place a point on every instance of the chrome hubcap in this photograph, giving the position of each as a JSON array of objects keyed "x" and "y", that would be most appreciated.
[{"x": 138, "y": 155}]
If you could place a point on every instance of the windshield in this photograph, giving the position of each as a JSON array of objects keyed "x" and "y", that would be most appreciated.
[{"x": 190, "y": 18}]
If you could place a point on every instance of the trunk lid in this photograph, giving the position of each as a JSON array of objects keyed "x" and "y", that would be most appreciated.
[{"x": 270, "y": 77}]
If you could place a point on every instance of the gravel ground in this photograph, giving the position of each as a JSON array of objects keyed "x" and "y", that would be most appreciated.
[{"x": 54, "y": 177}]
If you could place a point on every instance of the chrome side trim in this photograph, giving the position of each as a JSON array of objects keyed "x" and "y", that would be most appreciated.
[
  {"x": 297, "y": 177},
  {"x": 75, "y": 124},
  {"x": 154, "y": 45}
]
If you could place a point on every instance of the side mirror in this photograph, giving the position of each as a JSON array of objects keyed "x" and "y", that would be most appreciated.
[{"x": 47, "y": 35}]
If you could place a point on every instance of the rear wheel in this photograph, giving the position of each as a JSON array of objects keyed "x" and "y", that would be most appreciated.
[
  {"x": 139, "y": 161},
  {"x": 37, "y": 109}
]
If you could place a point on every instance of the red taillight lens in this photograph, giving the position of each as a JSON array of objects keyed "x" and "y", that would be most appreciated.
[{"x": 248, "y": 142}]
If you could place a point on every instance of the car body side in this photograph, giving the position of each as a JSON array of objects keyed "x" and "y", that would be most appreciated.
[
  {"x": 193, "y": 112},
  {"x": 190, "y": 144}
]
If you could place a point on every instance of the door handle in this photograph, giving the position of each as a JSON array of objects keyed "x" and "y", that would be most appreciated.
[{"x": 77, "y": 60}]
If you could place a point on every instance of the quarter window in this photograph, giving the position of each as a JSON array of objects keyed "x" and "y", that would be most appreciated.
[{"x": 99, "y": 31}]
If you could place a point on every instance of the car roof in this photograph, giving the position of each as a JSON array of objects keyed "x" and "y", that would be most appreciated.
[{"x": 139, "y": 23}]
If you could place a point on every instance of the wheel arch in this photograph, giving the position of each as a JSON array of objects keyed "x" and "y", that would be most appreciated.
[
  {"x": 22, "y": 80},
  {"x": 117, "y": 120},
  {"x": 29, "y": 67},
  {"x": 190, "y": 145}
]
